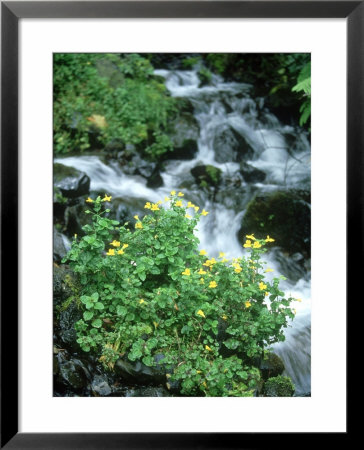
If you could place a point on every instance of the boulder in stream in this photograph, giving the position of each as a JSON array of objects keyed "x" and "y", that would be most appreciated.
[
  {"x": 278, "y": 387},
  {"x": 283, "y": 215},
  {"x": 207, "y": 175},
  {"x": 230, "y": 146},
  {"x": 71, "y": 182}
]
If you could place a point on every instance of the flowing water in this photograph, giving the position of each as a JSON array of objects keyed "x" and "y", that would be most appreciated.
[{"x": 282, "y": 152}]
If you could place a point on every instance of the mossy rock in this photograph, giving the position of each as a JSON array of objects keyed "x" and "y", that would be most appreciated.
[
  {"x": 283, "y": 215},
  {"x": 271, "y": 366},
  {"x": 207, "y": 175},
  {"x": 278, "y": 387}
]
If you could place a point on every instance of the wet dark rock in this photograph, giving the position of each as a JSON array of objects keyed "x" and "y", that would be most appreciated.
[
  {"x": 64, "y": 284},
  {"x": 251, "y": 174},
  {"x": 229, "y": 145},
  {"x": 283, "y": 215},
  {"x": 270, "y": 366},
  {"x": 73, "y": 374},
  {"x": 207, "y": 175},
  {"x": 184, "y": 133},
  {"x": 155, "y": 180},
  {"x": 138, "y": 373},
  {"x": 71, "y": 182},
  {"x": 278, "y": 387},
  {"x": 74, "y": 219},
  {"x": 139, "y": 166},
  {"x": 294, "y": 267},
  {"x": 61, "y": 245},
  {"x": 147, "y": 392},
  {"x": 100, "y": 386}
]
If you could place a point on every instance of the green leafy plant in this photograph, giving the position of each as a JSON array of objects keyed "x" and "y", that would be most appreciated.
[
  {"x": 102, "y": 97},
  {"x": 304, "y": 86},
  {"x": 149, "y": 295}
]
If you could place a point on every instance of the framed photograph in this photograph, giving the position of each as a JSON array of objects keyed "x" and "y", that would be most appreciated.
[{"x": 184, "y": 181}]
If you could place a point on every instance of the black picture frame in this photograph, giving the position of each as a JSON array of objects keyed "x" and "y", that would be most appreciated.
[{"x": 11, "y": 12}]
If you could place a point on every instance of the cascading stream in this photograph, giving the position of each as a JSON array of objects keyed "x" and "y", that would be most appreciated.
[{"x": 286, "y": 165}]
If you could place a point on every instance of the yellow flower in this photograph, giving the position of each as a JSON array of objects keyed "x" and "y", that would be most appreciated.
[
  {"x": 203, "y": 252},
  {"x": 224, "y": 317},
  {"x": 298, "y": 300},
  {"x": 155, "y": 324},
  {"x": 201, "y": 313},
  {"x": 204, "y": 384},
  {"x": 115, "y": 243},
  {"x": 294, "y": 311},
  {"x": 154, "y": 207},
  {"x": 173, "y": 192},
  {"x": 179, "y": 203},
  {"x": 268, "y": 270},
  {"x": 125, "y": 245},
  {"x": 111, "y": 252},
  {"x": 136, "y": 217},
  {"x": 224, "y": 260},
  {"x": 204, "y": 213},
  {"x": 257, "y": 245},
  {"x": 138, "y": 225},
  {"x": 208, "y": 348},
  {"x": 269, "y": 239},
  {"x": 190, "y": 205},
  {"x": 250, "y": 236},
  {"x": 201, "y": 272},
  {"x": 266, "y": 293},
  {"x": 159, "y": 202},
  {"x": 202, "y": 281},
  {"x": 75, "y": 236},
  {"x": 212, "y": 284},
  {"x": 188, "y": 216},
  {"x": 89, "y": 200},
  {"x": 141, "y": 301},
  {"x": 196, "y": 208},
  {"x": 238, "y": 269},
  {"x": 262, "y": 286},
  {"x": 180, "y": 194},
  {"x": 198, "y": 371},
  {"x": 120, "y": 252},
  {"x": 106, "y": 198},
  {"x": 247, "y": 244},
  {"x": 248, "y": 304},
  {"x": 166, "y": 199},
  {"x": 186, "y": 272},
  {"x": 148, "y": 205},
  {"x": 221, "y": 255}
]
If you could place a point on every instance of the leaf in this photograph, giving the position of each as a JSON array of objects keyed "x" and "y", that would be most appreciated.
[
  {"x": 121, "y": 310},
  {"x": 88, "y": 315},
  {"x": 97, "y": 323},
  {"x": 84, "y": 299},
  {"x": 142, "y": 276},
  {"x": 99, "y": 306},
  {"x": 95, "y": 296}
]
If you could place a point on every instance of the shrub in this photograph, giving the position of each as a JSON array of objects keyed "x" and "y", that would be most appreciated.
[
  {"x": 101, "y": 97},
  {"x": 151, "y": 292}
]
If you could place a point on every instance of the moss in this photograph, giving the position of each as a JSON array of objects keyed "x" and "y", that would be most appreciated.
[
  {"x": 279, "y": 387},
  {"x": 285, "y": 216},
  {"x": 214, "y": 174}
]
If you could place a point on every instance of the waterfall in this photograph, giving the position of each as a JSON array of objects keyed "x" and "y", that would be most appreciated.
[{"x": 281, "y": 151}]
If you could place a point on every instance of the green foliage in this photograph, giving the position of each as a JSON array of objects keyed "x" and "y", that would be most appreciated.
[
  {"x": 279, "y": 386},
  {"x": 150, "y": 291},
  {"x": 304, "y": 85},
  {"x": 100, "y": 97},
  {"x": 205, "y": 76}
]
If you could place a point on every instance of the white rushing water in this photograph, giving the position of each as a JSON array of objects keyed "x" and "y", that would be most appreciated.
[{"x": 286, "y": 165}]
